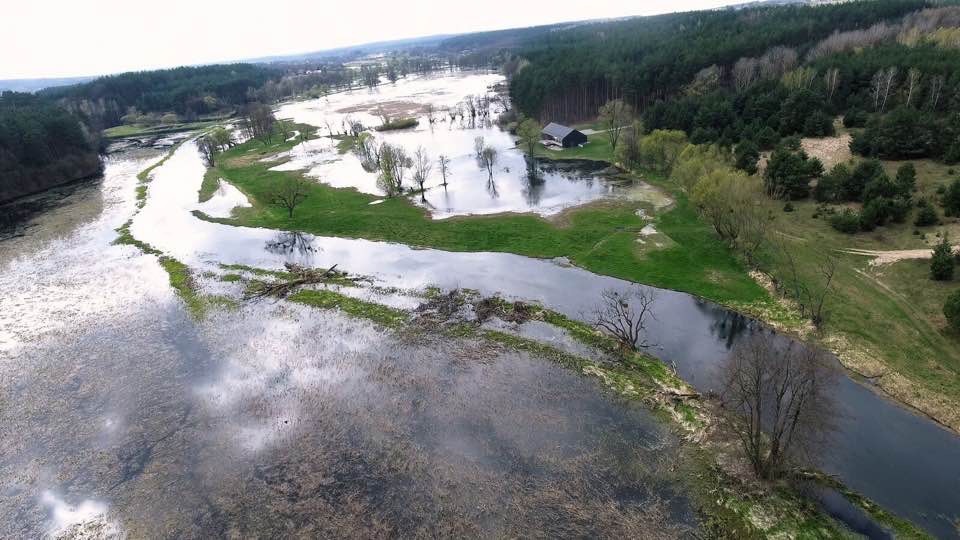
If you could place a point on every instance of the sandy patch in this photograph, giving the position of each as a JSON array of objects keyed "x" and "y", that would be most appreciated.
[
  {"x": 888, "y": 257},
  {"x": 829, "y": 150}
]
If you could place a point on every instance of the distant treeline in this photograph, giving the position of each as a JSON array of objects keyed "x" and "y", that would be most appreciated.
[
  {"x": 187, "y": 91},
  {"x": 41, "y": 145},
  {"x": 572, "y": 72}
]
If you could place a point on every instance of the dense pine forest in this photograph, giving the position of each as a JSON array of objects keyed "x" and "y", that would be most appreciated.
[
  {"x": 728, "y": 75},
  {"x": 186, "y": 91},
  {"x": 41, "y": 145}
]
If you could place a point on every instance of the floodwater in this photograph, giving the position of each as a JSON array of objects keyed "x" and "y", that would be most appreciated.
[
  {"x": 904, "y": 461},
  {"x": 123, "y": 416},
  {"x": 514, "y": 184}
]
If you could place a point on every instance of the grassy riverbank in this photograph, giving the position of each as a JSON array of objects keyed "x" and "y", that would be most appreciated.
[{"x": 600, "y": 237}]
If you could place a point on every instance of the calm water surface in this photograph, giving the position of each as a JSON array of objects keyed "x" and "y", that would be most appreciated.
[{"x": 121, "y": 415}]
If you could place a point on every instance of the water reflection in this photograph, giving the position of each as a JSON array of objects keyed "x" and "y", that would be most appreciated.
[
  {"x": 279, "y": 420},
  {"x": 473, "y": 186},
  {"x": 291, "y": 243}
]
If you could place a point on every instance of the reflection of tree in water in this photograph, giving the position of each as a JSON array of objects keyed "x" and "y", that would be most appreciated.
[
  {"x": 492, "y": 187},
  {"x": 535, "y": 184},
  {"x": 725, "y": 324},
  {"x": 289, "y": 243}
]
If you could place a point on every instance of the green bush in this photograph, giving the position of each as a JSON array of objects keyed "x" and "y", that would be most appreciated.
[
  {"x": 951, "y": 310},
  {"x": 906, "y": 178},
  {"x": 951, "y": 199},
  {"x": 400, "y": 123},
  {"x": 747, "y": 154},
  {"x": 874, "y": 213},
  {"x": 941, "y": 265},
  {"x": 927, "y": 215},
  {"x": 846, "y": 221}
]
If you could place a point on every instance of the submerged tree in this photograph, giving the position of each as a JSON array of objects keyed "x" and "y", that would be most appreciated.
[
  {"x": 422, "y": 165},
  {"x": 478, "y": 145},
  {"x": 777, "y": 401},
  {"x": 624, "y": 315},
  {"x": 444, "y": 162},
  {"x": 488, "y": 157},
  {"x": 393, "y": 162}
]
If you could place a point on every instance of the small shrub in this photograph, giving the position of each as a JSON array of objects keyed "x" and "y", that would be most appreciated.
[
  {"x": 854, "y": 118},
  {"x": 788, "y": 207},
  {"x": 941, "y": 265},
  {"x": 927, "y": 215},
  {"x": 951, "y": 310},
  {"x": 951, "y": 199},
  {"x": 846, "y": 221},
  {"x": 400, "y": 123}
]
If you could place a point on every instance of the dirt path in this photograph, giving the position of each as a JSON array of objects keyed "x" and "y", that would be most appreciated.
[{"x": 888, "y": 257}]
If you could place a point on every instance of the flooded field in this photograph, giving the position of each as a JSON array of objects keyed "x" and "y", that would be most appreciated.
[
  {"x": 515, "y": 184},
  {"x": 123, "y": 416}
]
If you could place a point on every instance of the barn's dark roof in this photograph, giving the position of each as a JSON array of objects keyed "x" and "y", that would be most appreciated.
[{"x": 557, "y": 131}]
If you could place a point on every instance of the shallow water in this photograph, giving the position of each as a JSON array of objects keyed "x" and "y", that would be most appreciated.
[
  {"x": 223, "y": 201},
  {"x": 515, "y": 185},
  {"x": 904, "y": 461},
  {"x": 122, "y": 415}
]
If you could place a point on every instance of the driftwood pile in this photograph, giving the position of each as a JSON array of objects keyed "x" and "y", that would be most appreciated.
[{"x": 301, "y": 275}]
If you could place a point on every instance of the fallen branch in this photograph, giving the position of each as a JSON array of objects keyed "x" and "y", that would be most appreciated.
[{"x": 301, "y": 276}]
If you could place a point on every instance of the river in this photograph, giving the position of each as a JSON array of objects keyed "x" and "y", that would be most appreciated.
[{"x": 120, "y": 402}]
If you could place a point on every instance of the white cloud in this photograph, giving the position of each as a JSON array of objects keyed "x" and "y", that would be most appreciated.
[{"x": 53, "y": 38}]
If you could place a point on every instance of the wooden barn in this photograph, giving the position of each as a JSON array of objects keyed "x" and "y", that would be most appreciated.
[{"x": 563, "y": 136}]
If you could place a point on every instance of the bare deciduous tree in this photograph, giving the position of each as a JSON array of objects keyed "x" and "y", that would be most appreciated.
[
  {"x": 422, "y": 165},
  {"x": 288, "y": 193},
  {"x": 615, "y": 115},
  {"x": 478, "y": 145},
  {"x": 745, "y": 72},
  {"x": 777, "y": 401},
  {"x": 810, "y": 294},
  {"x": 444, "y": 162},
  {"x": 913, "y": 83},
  {"x": 936, "y": 87},
  {"x": 208, "y": 149},
  {"x": 831, "y": 79},
  {"x": 625, "y": 315},
  {"x": 258, "y": 121},
  {"x": 881, "y": 85}
]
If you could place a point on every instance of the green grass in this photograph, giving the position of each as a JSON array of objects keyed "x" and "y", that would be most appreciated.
[
  {"x": 211, "y": 181},
  {"x": 400, "y": 123},
  {"x": 598, "y": 148},
  {"x": 181, "y": 279},
  {"x": 599, "y": 237},
  {"x": 889, "y": 315},
  {"x": 324, "y": 299}
]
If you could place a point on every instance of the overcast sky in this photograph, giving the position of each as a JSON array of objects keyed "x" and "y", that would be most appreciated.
[{"x": 60, "y": 38}]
